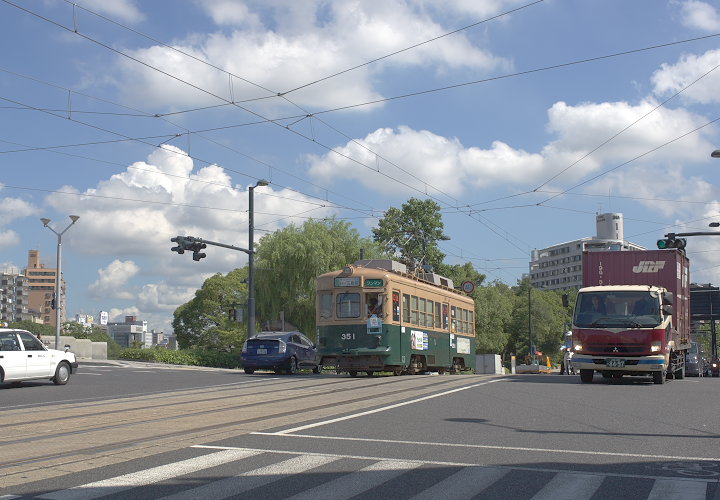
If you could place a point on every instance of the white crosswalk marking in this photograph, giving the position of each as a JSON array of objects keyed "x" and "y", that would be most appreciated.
[
  {"x": 254, "y": 478},
  {"x": 466, "y": 483},
  {"x": 121, "y": 483},
  {"x": 359, "y": 481},
  {"x": 678, "y": 489},
  {"x": 372, "y": 472},
  {"x": 570, "y": 486}
]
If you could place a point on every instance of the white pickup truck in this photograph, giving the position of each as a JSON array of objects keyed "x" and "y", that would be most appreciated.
[{"x": 24, "y": 357}]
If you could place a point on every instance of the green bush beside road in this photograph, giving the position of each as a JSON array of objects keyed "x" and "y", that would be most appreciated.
[{"x": 190, "y": 357}]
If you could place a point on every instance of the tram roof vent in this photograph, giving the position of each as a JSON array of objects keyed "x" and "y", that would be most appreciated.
[
  {"x": 386, "y": 264},
  {"x": 436, "y": 279}
]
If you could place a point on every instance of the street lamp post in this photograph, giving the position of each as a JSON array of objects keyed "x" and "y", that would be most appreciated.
[
  {"x": 251, "y": 257},
  {"x": 58, "y": 288}
]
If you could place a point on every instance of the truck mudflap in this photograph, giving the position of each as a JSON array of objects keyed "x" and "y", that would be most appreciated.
[{"x": 644, "y": 364}]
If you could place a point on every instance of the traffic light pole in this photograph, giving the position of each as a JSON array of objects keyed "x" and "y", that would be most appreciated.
[{"x": 195, "y": 244}]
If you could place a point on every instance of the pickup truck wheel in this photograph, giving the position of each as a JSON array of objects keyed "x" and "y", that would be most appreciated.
[
  {"x": 586, "y": 376},
  {"x": 62, "y": 374},
  {"x": 658, "y": 378}
]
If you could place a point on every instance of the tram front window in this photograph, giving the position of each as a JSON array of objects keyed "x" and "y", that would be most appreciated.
[{"x": 348, "y": 305}]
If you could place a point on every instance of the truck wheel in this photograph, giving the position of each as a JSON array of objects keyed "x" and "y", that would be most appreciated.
[
  {"x": 62, "y": 374},
  {"x": 658, "y": 378},
  {"x": 680, "y": 374},
  {"x": 586, "y": 376}
]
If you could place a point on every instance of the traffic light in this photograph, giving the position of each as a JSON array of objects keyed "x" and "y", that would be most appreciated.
[
  {"x": 668, "y": 243},
  {"x": 182, "y": 241},
  {"x": 197, "y": 254}
]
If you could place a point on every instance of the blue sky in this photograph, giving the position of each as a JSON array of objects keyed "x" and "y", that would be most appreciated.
[{"x": 521, "y": 119}]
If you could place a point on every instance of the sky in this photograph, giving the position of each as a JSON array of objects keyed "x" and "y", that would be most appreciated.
[{"x": 522, "y": 119}]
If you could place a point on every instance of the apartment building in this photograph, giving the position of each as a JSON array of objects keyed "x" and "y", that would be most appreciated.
[
  {"x": 41, "y": 282},
  {"x": 559, "y": 267}
]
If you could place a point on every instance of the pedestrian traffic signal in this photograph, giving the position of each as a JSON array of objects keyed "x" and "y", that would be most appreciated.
[{"x": 669, "y": 243}]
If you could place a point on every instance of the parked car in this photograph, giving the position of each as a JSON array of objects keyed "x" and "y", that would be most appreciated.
[
  {"x": 284, "y": 352},
  {"x": 696, "y": 363},
  {"x": 24, "y": 357}
]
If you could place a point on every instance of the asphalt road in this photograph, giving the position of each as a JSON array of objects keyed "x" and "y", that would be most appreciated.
[{"x": 151, "y": 431}]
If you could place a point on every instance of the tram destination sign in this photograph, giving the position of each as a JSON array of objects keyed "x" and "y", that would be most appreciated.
[
  {"x": 374, "y": 282},
  {"x": 348, "y": 281}
]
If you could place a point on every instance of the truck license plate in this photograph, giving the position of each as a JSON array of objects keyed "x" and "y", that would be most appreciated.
[{"x": 615, "y": 363}]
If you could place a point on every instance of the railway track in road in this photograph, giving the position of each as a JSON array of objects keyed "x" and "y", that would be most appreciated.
[{"x": 50, "y": 441}]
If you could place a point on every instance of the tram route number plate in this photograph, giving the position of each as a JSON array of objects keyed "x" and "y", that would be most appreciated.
[{"x": 615, "y": 363}]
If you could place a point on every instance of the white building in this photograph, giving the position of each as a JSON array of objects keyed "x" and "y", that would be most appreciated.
[
  {"x": 129, "y": 331},
  {"x": 559, "y": 267}
]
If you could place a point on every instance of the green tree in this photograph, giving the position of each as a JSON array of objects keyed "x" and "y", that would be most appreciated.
[
  {"x": 494, "y": 306},
  {"x": 412, "y": 232},
  {"x": 34, "y": 328},
  {"x": 204, "y": 321},
  {"x": 289, "y": 261}
]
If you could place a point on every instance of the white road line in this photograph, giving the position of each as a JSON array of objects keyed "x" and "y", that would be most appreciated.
[
  {"x": 570, "y": 486},
  {"x": 493, "y": 447},
  {"x": 149, "y": 476},
  {"x": 358, "y": 482},
  {"x": 671, "y": 489},
  {"x": 255, "y": 478},
  {"x": 389, "y": 407},
  {"x": 466, "y": 483},
  {"x": 86, "y": 373}
]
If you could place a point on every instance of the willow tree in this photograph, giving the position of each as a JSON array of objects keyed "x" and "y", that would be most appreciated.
[{"x": 288, "y": 262}]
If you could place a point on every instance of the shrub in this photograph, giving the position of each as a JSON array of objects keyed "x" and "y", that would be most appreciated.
[{"x": 191, "y": 357}]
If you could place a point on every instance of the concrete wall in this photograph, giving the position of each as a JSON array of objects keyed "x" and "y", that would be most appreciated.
[
  {"x": 488, "y": 363},
  {"x": 83, "y": 348}
]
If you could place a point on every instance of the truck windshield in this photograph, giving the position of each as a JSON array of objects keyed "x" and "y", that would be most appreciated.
[{"x": 618, "y": 310}]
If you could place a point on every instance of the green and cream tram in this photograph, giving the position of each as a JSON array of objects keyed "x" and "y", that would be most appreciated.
[{"x": 375, "y": 316}]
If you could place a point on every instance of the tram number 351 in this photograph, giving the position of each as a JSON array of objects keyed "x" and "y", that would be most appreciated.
[{"x": 347, "y": 336}]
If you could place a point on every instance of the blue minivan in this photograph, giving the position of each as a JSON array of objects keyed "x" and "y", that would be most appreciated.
[{"x": 284, "y": 352}]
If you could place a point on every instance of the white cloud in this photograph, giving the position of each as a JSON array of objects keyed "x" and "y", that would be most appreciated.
[
  {"x": 671, "y": 78},
  {"x": 700, "y": 15},
  {"x": 113, "y": 280},
  {"x": 445, "y": 164},
  {"x": 123, "y": 10},
  {"x": 298, "y": 43}
]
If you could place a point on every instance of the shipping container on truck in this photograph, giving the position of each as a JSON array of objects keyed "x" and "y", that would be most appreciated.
[{"x": 632, "y": 316}]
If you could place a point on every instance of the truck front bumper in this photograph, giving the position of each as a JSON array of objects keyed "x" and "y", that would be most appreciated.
[{"x": 644, "y": 364}]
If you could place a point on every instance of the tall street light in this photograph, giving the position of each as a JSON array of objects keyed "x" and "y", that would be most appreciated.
[
  {"x": 715, "y": 154},
  {"x": 251, "y": 257},
  {"x": 58, "y": 288}
]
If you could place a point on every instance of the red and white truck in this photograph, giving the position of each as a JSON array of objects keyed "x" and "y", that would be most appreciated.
[{"x": 632, "y": 316}]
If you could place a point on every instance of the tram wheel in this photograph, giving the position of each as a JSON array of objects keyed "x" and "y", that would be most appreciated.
[
  {"x": 397, "y": 371},
  {"x": 370, "y": 373},
  {"x": 353, "y": 373}
]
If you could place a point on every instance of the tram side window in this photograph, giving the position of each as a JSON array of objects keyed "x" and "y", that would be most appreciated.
[
  {"x": 438, "y": 315},
  {"x": 348, "y": 305},
  {"x": 326, "y": 305},
  {"x": 396, "y": 305},
  {"x": 446, "y": 323},
  {"x": 413, "y": 310},
  {"x": 471, "y": 318},
  {"x": 453, "y": 312},
  {"x": 430, "y": 314},
  {"x": 422, "y": 312},
  {"x": 406, "y": 308}
]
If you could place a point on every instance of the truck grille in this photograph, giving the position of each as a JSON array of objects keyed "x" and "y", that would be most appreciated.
[{"x": 617, "y": 349}]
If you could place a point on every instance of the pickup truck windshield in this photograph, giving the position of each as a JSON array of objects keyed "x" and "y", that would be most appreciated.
[{"x": 617, "y": 310}]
